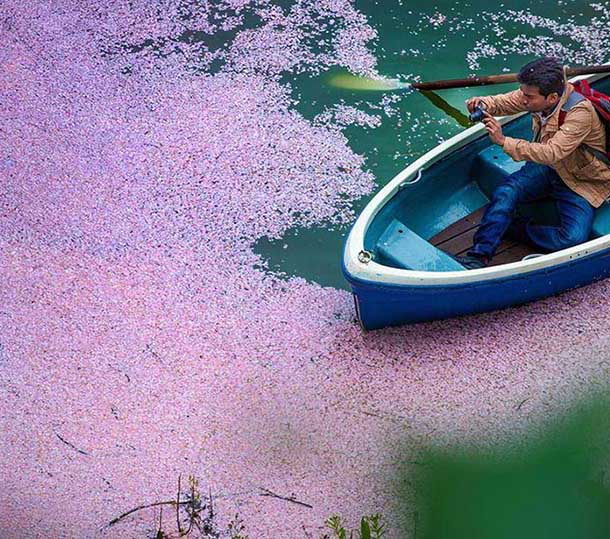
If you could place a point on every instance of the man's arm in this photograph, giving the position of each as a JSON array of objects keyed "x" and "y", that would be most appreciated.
[
  {"x": 501, "y": 104},
  {"x": 571, "y": 134}
]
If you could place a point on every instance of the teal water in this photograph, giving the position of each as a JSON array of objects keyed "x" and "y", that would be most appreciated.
[{"x": 410, "y": 45}]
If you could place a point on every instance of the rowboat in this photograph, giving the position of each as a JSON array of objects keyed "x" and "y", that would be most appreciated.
[{"x": 395, "y": 256}]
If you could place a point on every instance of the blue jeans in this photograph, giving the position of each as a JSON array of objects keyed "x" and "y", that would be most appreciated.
[{"x": 533, "y": 182}]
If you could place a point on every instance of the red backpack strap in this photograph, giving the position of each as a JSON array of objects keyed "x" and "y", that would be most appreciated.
[
  {"x": 574, "y": 99},
  {"x": 582, "y": 87}
]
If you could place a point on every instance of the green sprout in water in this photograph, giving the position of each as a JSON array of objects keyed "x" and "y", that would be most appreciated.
[{"x": 371, "y": 527}]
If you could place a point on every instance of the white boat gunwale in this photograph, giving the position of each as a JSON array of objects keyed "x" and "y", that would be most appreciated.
[{"x": 378, "y": 273}]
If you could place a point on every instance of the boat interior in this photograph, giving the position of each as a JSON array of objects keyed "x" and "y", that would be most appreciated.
[{"x": 440, "y": 213}]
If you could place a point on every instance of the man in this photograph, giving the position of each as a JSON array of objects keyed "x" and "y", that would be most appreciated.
[{"x": 557, "y": 164}]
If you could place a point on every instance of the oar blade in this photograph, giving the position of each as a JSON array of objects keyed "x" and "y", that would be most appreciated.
[{"x": 348, "y": 81}]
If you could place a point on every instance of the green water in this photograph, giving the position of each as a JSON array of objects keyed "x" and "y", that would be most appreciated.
[{"x": 440, "y": 54}]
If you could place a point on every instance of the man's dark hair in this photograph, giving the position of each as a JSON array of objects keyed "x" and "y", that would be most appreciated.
[{"x": 545, "y": 73}]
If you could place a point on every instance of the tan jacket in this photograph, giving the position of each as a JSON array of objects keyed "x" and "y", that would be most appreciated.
[{"x": 561, "y": 148}]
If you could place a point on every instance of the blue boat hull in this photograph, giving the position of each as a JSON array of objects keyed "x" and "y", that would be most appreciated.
[{"x": 379, "y": 305}]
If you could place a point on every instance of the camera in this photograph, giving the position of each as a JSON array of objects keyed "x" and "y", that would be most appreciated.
[{"x": 477, "y": 114}]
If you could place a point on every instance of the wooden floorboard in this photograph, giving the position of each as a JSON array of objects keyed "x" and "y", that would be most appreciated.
[
  {"x": 458, "y": 244},
  {"x": 455, "y": 229},
  {"x": 457, "y": 238},
  {"x": 515, "y": 253}
]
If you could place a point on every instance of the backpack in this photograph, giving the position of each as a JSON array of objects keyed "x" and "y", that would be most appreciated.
[{"x": 601, "y": 103}]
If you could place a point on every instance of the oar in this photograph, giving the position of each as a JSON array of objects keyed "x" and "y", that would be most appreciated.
[
  {"x": 352, "y": 82},
  {"x": 499, "y": 79}
]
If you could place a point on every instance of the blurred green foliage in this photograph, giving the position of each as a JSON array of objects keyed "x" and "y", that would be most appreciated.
[{"x": 550, "y": 488}]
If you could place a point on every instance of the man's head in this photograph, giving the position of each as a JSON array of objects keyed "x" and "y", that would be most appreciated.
[{"x": 542, "y": 84}]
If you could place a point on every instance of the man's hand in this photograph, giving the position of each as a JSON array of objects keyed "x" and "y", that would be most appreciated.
[
  {"x": 472, "y": 103},
  {"x": 494, "y": 129}
]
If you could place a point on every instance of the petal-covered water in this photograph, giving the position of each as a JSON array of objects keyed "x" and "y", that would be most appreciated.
[{"x": 145, "y": 150}]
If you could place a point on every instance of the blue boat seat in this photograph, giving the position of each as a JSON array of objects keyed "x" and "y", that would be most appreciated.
[
  {"x": 601, "y": 221},
  {"x": 402, "y": 248},
  {"x": 492, "y": 166}
]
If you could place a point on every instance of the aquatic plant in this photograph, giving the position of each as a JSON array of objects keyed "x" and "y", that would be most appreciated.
[
  {"x": 371, "y": 527},
  {"x": 195, "y": 516}
]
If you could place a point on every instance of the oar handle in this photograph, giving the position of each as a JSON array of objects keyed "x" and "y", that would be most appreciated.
[{"x": 499, "y": 79}]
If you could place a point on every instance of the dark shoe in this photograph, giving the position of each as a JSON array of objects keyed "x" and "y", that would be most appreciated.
[{"x": 472, "y": 261}]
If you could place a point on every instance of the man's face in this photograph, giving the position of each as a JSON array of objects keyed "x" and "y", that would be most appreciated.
[{"x": 534, "y": 101}]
